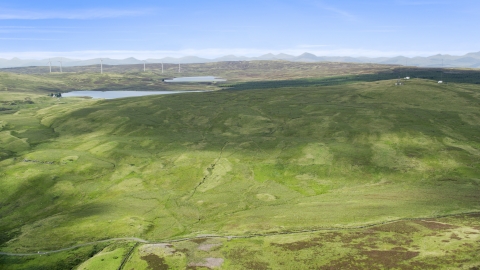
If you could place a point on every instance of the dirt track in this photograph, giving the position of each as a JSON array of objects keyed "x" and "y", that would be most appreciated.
[{"x": 139, "y": 240}]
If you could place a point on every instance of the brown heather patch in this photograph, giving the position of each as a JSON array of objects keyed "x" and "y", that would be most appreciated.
[
  {"x": 359, "y": 240},
  {"x": 398, "y": 240},
  {"x": 240, "y": 253},
  {"x": 199, "y": 240},
  {"x": 399, "y": 249},
  {"x": 344, "y": 263},
  {"x": 455, "y": 236},
  {"x": 246, "y": 258},
  {"x": 296, "y": 246},
  {"x": 397, "y": 227},
  {"x": 390, "y": 258},
  {"x": 350, "y": 237},
  {"x": 155, "y": 262},
  {"x": 255, "y": 265},
  {"x": 422, "y": 265},
  {"x": 329, "y": 237},
  {"x": 433, "y": 225},
  {"x": 346, "y": 237},
  {"x": 368, "y": 242},
  {"x": 376, "y": 259}
]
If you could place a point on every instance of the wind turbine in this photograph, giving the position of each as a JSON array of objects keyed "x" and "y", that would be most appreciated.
[
  {"x": 179, "y": 70},
  {"x": 50, "y": 65},
  {"x": 60, "y": 66},
  {"x": 101, "y": 66},
  {"x": 162, "y": 67},
  {"x": 442, "y": 70},
  {"x": 144, "y": 65},
  {"x": 406, "y": 64}
]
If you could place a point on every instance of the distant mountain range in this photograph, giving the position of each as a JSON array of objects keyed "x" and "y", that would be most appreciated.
[{"x": 470, "y": 60}]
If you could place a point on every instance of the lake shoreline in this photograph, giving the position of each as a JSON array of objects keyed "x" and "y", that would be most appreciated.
[{"x": 97, "y": 94}]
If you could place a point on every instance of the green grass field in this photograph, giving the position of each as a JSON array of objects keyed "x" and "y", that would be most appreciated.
[{"x": 272, "y": 162}]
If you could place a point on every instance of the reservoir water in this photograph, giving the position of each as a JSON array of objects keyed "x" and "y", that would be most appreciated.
[
  {"x": 195, "y": 79},
  {"x": 119, "y": 94}
]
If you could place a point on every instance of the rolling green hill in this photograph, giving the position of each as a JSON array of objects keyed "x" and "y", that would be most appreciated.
[{"x": 237, "y": 163}]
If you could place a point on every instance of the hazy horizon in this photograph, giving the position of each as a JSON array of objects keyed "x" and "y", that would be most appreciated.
[{"x": 126, "y": 56}]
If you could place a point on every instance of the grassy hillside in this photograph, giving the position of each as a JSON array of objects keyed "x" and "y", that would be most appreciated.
[{"x": 236, "y": 163}]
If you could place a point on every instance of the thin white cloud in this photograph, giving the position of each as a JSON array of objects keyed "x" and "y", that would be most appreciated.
[
  {"x": 340, "y": 12},
  {"x": 218, "y": 52},
  {"x": 69, "y": 15}
]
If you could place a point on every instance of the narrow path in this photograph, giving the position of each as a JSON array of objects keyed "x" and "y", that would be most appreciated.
[{"x": 139, "y": 240}]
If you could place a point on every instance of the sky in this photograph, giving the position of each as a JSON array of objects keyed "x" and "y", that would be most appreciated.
[{"x": 34, "y": 29}]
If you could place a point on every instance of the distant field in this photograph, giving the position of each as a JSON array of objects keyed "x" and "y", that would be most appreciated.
[
  {"x": 287, "y": 156},
  {"x": 235, "y": 70},
  {"x": 446, "y": 76},
  {"x": 132, "y": 77},
  {"x": 239, "y": 75},
  {"x": 65, "y": 82}
]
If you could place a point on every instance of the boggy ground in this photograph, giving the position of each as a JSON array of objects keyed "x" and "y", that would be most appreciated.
[
  {"x": 441, "y": 243},
  {"x": 238, "y": 163},
  {"x": 420, "y": 244}
]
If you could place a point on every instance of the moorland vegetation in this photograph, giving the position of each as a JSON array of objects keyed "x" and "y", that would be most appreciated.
[{"x": 327, "y": 170}]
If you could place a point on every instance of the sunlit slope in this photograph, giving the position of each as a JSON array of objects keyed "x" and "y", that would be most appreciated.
[{"x": 244, "y": 162}]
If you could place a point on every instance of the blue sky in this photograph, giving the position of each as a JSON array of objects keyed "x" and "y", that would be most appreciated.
[{"x": 213, "y": 28}]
